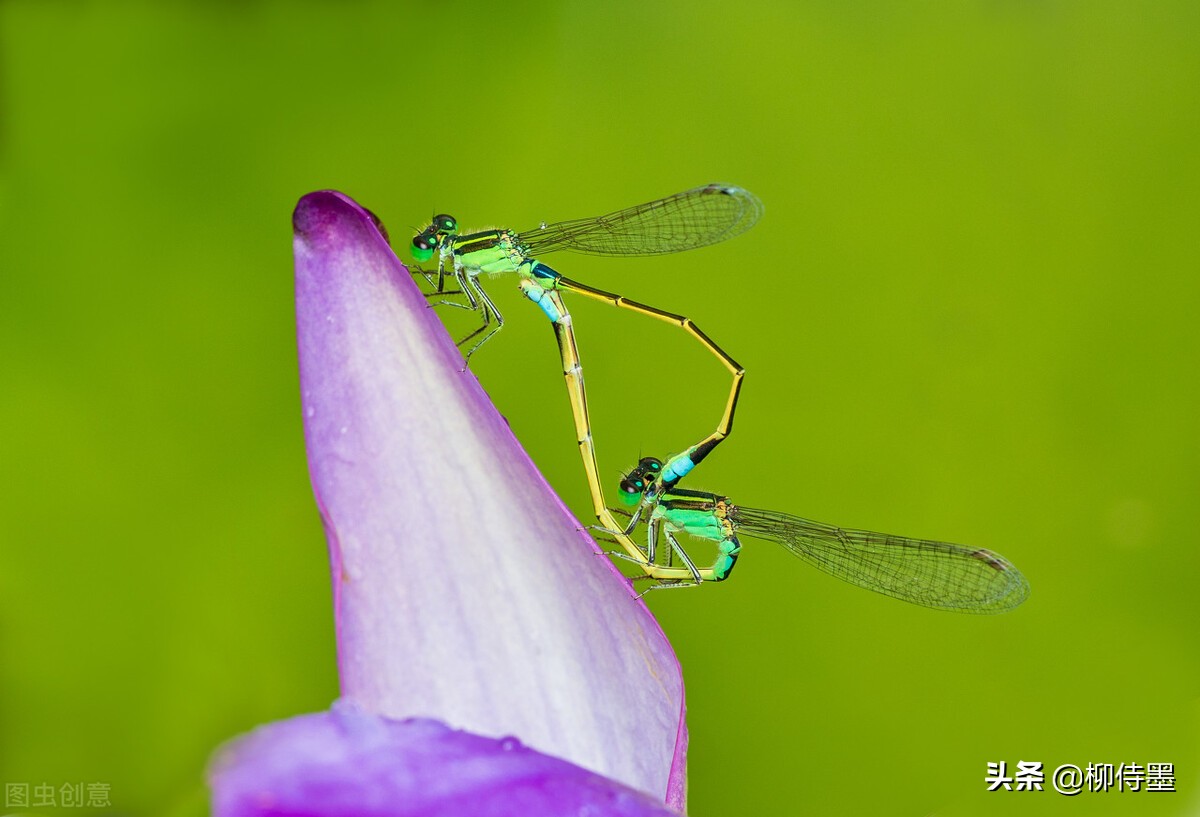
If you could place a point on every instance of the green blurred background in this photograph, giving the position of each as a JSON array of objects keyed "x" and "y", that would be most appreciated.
[{"x": 968, "y": 313}]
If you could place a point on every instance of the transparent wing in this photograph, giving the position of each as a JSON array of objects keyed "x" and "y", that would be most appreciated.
[
  {"x": 921, "y": 571},
  {"x": 694, "y": 218}
]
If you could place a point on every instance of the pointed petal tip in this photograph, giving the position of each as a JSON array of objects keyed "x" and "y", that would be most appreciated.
[{"x": 331, "y": 216}]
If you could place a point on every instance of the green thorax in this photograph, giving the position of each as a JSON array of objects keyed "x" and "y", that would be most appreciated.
[
  {"x": 490, "y": 251},
  {"x": 703, "y": 517}
]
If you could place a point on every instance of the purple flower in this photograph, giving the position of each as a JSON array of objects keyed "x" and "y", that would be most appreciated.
[
  {"x": 347, "y": 762},
  {"x": 464, "y": 590}
]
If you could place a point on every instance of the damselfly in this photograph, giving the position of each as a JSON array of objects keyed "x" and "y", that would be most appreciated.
[
  {"x": 694, "y": 218},
  {"x": 921, "y": 571}
]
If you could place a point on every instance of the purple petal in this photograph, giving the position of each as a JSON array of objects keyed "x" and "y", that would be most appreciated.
[
  {"x": 464, "y": 590},
  {"x": 347, "y": 762}
]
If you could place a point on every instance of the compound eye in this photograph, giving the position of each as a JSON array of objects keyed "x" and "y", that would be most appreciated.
[
  {"x": 650, "y": 465},
  {"x": 631, "y": 491},
  {"x": 445, "y": 223},
  {"x": 422, "y": 247}
]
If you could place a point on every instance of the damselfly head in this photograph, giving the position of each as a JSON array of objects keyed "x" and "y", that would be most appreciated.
[
  {"x": 425, "y": 242},
  {"x": 641, "y": 479}
]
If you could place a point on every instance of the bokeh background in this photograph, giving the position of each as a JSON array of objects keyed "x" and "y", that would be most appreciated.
[{"x": 969, "y": 313}]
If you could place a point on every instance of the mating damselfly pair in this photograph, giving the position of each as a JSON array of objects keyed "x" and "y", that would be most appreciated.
[{"x": 926, "y": 572}]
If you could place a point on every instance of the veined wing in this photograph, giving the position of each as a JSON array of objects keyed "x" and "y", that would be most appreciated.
[
  {"x": 921, "y": 571},
  {"x": 684, "y": 221}
]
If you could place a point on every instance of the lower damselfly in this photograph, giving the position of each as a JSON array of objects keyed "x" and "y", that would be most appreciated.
[{"x": 921, "y": 571}]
